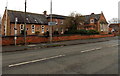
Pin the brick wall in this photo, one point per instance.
(38, 39)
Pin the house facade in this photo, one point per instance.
(114, 28)
(94, 22)
(59, 20)
(37, 24)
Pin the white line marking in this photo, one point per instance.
(91, 50)
(113, 45)
(33, 61)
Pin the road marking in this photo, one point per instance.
(33, 61)
(43, 59)
(31, 45)
(113, 45)
(98, 48)
(91, 50)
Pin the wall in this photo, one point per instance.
(38, 39)
(29, 29)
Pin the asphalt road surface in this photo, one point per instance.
(91, 58)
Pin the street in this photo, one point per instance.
(90, 58)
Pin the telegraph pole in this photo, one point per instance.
(51, 21)
(25, 24)
(6, 19)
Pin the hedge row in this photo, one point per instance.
(82, 32)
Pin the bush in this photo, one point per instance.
(71, 32)
(46, 34)
(56, 33)
(92, 32)
(82, 32)
(22, 32)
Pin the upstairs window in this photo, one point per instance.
(91, 20)
(56, 21)
(61, 21)
(22, 27)
(42, 29)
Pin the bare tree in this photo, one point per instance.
(73, 21)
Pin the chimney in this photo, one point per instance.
(45, 12)
(92, 13)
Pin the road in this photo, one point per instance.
(91, 58)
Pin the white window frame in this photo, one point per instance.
(92, 21)
(56, 22)
(56, 29)
(101, 28)
(62, 21)
(42, 28)
(20, 27)
(33, 28)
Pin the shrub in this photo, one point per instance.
(92, 32)
(82, 32)
(22, 32)
(46, 34)
(71, 32)
(56, 33)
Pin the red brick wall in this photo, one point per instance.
(37, 39)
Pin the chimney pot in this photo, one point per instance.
(45, 12)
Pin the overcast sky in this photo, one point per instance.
(65, 7)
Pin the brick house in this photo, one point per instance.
(114, 28)
(35, 23)
(38, 23)
(95, 22)
(59, 20)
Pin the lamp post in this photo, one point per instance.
(15, 29)
(51, 22)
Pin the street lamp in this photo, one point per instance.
(16, 19)
(51, 22)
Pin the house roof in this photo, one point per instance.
(114, 25)
(31, 18)
(57, 16)
(88, 17)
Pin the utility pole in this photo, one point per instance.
(25, 25)
(51, 21)
(6, 19)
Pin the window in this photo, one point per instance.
(47, 29)
(56, 21)
(33, 28)
(56, 29)
(101, 27)
(21, 28)
(26, 28)
(91, 20)
(61, 21)
(42, 29)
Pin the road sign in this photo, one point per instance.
(51, 23)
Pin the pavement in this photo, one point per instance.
(13, 48)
